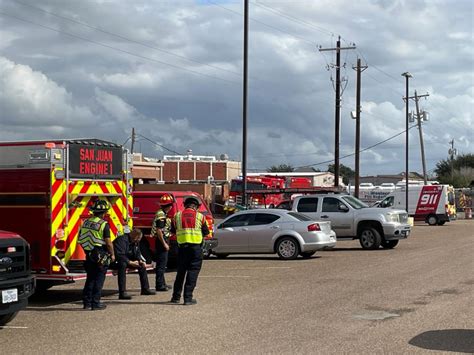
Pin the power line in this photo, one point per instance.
(128, 39)
(119, 50)
(159, 145)
(261, 22)
(362, 150)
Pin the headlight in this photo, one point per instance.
(392, 217)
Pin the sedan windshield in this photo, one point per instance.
(299, 216)
(354, 202)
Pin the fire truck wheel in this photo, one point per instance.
(432, 220)
(389, 244)
(222, 256)
(4, 319)
(441, 223)
(308, 254)
(370, 238)
(288, 248)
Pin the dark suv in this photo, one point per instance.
(16, 281)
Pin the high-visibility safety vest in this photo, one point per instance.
(91, 234)
(161, 215)
(188, 225)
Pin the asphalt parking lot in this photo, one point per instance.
(416, 298)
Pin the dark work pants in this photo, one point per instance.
(122, 277)
(189, 265)
(161, 262)
(94, 282)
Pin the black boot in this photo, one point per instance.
(124, 296)
(147, 292)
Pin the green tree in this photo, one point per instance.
(345, 172)
(282, 168)
(458, 172)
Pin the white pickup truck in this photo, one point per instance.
(353, 219)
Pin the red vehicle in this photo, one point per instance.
(146, 203)
(45, 190)
(265, 183)
(256, 200)
(16, 282)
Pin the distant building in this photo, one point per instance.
(146, 170)
(394, 179)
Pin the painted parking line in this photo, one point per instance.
(12, 327)
(226, 276)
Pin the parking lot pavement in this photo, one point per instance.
(412, 299)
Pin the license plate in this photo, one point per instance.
(9, 296)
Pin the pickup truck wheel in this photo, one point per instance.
(288, 248)
(308, 254)
(222, 256)
(370, 238)
(389, 244)
(432, 220)
(4, 319)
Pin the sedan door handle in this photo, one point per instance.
(275, 227)
(325, 216)
(244, 229)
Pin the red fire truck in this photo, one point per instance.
(45, 190)
(255, 200)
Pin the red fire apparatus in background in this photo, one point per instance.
(264, 183)
(45, 189)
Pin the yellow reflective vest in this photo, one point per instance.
(91, 234)
(161, 216)
(188, 224)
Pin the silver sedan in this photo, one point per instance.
(286, 233)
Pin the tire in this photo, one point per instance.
(389, 244)
(308, 254)
(369, 238)
(222, 256)
(288, 248)
(432, 220)
(441, 223)
(4, 319)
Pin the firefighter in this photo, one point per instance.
(127, 252)
(161, 231)
(94, 237)
(191, 228)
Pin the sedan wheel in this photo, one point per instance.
(370, 238)
(288, 248)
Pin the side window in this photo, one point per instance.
(331, 204)
(309, 204)
(388, 202)
(237, 221)
(264, 218)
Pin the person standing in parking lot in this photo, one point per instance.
(94, 237)
(161, 231)
(191, 228)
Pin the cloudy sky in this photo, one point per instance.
(173, 70)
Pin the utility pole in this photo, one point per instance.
(420, 131)
(359, 69)
(407, 76)
(133, 140)
(338, 50)
(244, 104)
(419, 117)
(452, 152)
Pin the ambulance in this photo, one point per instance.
(46, 188)
(433, 204)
